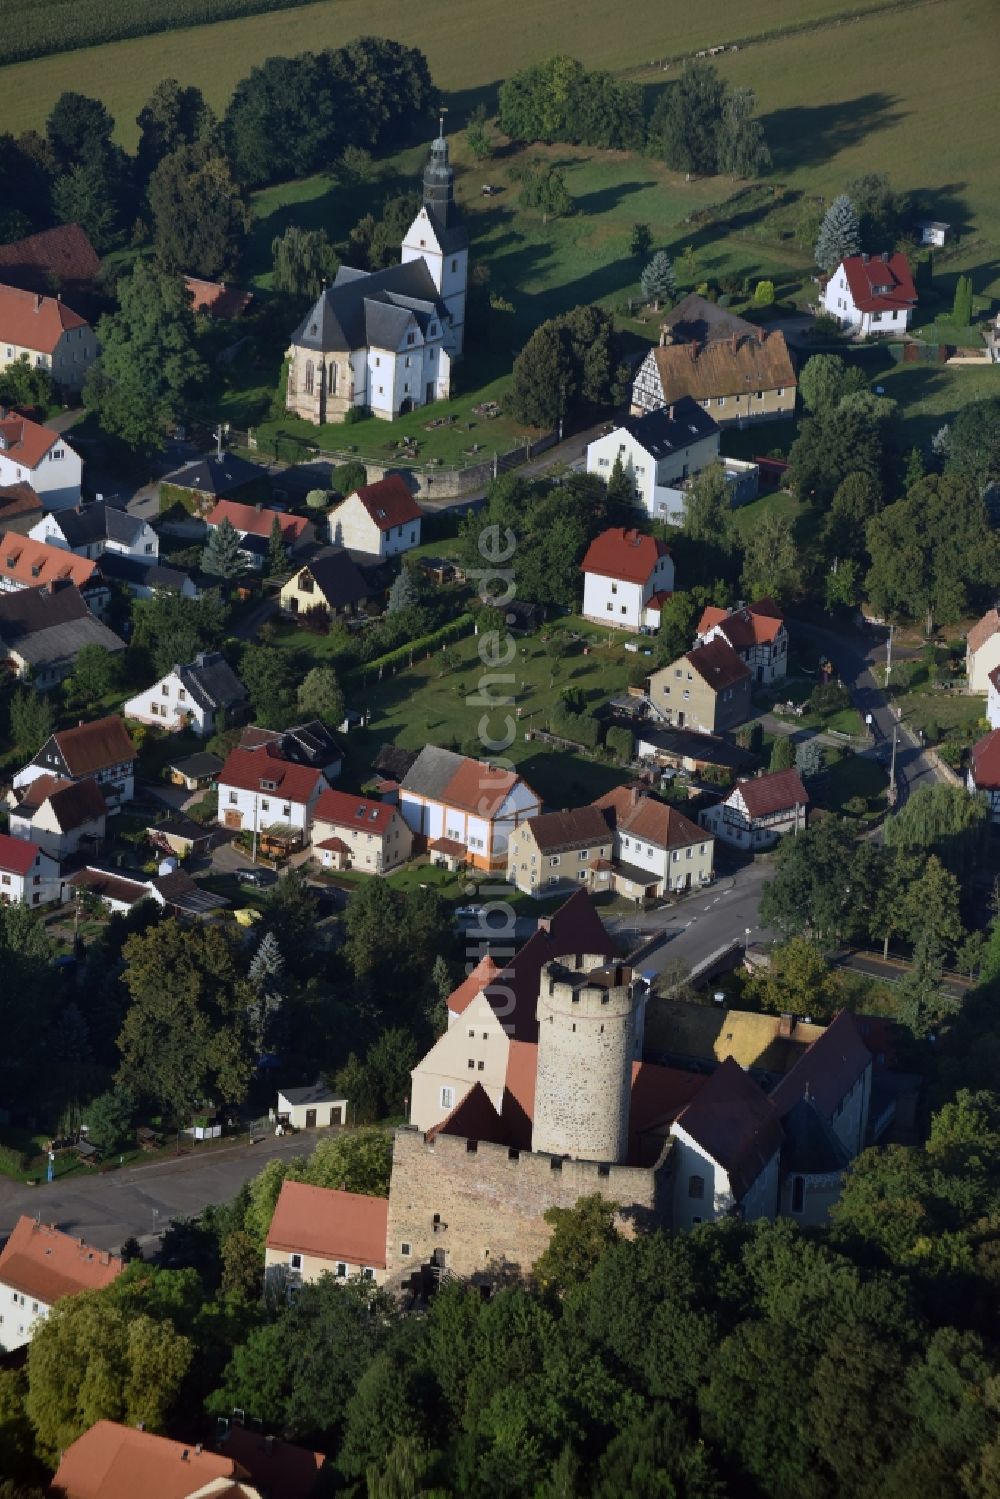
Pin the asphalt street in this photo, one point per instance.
(142, 1199)
(703, 921)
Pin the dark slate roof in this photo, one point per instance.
(198, 765)
(370, 311)
(153, 575)
(317, 1092)
(393, 762)
(49, 625)
(100, 522)
(662, 432)
(450, 237)
(827, 1072)
(697, 320)
(811, 1148)
(212, 682)
(219, 476)
(735, 1123)
(432, 772)
(337, 577)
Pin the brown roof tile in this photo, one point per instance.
(479, 787)
(33, 321)
(771, 793)
(553, 831)
(40, 1261)
(575, 928)
(735, 1123)
(481, 976)
(331, 1225)
(985, 756)
(718, 664)
(341, 810)
(984, 629)
(17, 500)
(656, 822)
(119, 1462)
(63, 254)
(389, 502)
(281, 1470)
(727, 367)
(26, 442)
(95, 746)
(626, 554)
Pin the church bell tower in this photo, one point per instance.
(439, 237)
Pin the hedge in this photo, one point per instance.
(12, 1159)
(38, 28)
(582, 728)
(403, 654)
(620, 742)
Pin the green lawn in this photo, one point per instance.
(930, 395)
(853, 776)
(948, 711)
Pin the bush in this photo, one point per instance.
(638, 671)
(932, 732)
(764, 294)
(356, 414)
(829, 697)
(348, 477)
(581, 728)
(317, 499)
(621, 744)
(13, 1160)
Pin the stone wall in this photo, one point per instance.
(478, 1208)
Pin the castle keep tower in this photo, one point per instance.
(590, 1021)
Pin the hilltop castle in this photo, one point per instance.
(387, 339)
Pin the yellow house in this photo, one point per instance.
(317, 1231)
(330, 581)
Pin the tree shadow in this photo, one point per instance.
(805, 135)
(608, 197)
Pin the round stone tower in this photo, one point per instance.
(589, 1029)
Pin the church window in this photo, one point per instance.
(310, 377)
(333, 380)
(409, 338)
(696, 1186)
(454, 265)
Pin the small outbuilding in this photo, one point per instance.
(316, 1106)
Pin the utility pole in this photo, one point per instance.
(888, 655)
(892, 766)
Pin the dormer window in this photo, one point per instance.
(410, 337)
(268, 785)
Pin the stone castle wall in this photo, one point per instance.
(480, 1211)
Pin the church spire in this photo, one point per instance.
(439, 181)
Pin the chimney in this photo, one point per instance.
(634, 794)
(670, 413)
(666, 337)
(885, 257)
(544, 924)
(38, 301)
(786, 1025)
(198, 1450)
(865, 259)
(184, 1455)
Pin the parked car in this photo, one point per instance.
(258, 878)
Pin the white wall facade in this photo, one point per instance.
(145, 549)
(614, 602)
(168, 705)
(839, 303)
(675, 868)
(263, 809)
(44, 830)
(56, 478)
(351, 526)
(415, 374)
(39, 887)
(485, 840)
(979, 664)
(731, 821)
(646, 472)
(19, 1315)
(68, 363)
(474, 1049)
(372, 853)
(715, 1198)
(450, 274)
(993, 706)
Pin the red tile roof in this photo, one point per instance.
(40, 1261)
(36, 562)
(25, 441)
(257, 520)
(389, 502)
(776, 792)
(246, 770)
(104, 884)
(658, 1095)
(986, 762)
(479, 788)
(626, 554)
(575, 928)
(73, 802)
(216, 298)
(281, 1470)
(655, 822)
(735, 1124)
(718, 664)
(342, 810)
(481, 976)
(63, 254)
(331, 1225)
(17, 855)
(880, 283)
(91, 747)
(827, 1070)
(18, 500)
(32, 321)
(757, 624)
(120, 1462)
(983, 630)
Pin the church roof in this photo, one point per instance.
(361, 311)
(450, 236)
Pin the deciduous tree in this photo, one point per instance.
(303, 259)
(771, 560)
(321, 696)
(200, 216)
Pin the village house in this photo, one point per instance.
(59, 259)
(707, 689)
(28, 875)
(254, 525)
(36, 455)
(756, 633)
(740, 379)
(379, 520)
(47, 334)
(309, 744)
(758, 812)
(194, 772)
(205, 696)
(110, 1460)
(59, 816)
(171, 888)
(658, 453)
(20, 508)
(218, 476)
(25, 563)
(315, 1106)
(627, 578)
(471, 802)
(871, 294)
(354, 832)
(99, 530)
(38, 1267)
(656, 848)
(145, 580)
(43, 630)
(983, 773)
(330, 580)
(982, 651)
(216, 299)
(263, 794)
(386, 339)
(993, 698)
(319, 1231)
(555, 847)
(100, 751)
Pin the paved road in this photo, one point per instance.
(105, 1210)
(704, 921)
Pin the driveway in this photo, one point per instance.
(142, 1199)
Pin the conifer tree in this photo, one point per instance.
(658, 281)
(403, 593)
(276, 553)
(839, 234)
(961, 314)
(222, 556)
(266, 975)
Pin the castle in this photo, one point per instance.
(386, 340)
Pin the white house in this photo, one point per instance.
(993, 698)
(984, 770)
(35, 455)
(469, 802)
(982, 651)
(38, 1267)
(758, 812)
(727, 1151)
(756, 633)
(354, 832)
(871, 294)
(627, 577)
(204, 696)
(47, 333)
(658, 452)
(315, 1106)
(100, 751)
(28, 875)
(656, 848)
(380, 520)
(261, 793)
(386, 339)
(59, 816)
(97, 530)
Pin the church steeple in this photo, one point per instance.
(439, 182)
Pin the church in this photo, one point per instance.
(387, 339)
